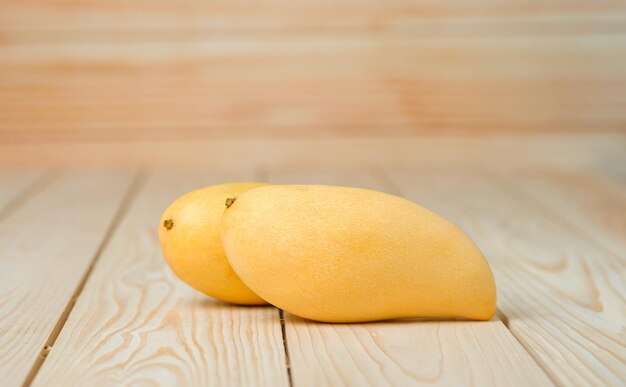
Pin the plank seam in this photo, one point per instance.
(383, 177)
(32, 189)
(515, 188)
(262, 174)
(131, 192)
(505, 320)
(283, 331)
(323, 32)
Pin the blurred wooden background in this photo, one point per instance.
(137, 70)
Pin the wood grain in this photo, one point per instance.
(135, 323)
(280, 17)
(561, 293)
(408, 353)
(127, 71)
(309, 88)
(548, 220)
(403, 352)
(46, 248)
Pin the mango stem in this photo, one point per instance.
(230, 201)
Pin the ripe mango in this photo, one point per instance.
(339, 254)
(189, 232)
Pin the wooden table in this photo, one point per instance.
(87, 299)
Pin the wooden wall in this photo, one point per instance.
(103, 70)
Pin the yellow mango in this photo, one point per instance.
(339, 254)
(189, 232)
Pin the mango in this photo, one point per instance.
(339, 254)
(189, 232)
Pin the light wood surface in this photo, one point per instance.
(585, 200)
(136, 323)
(409, 353)
(46, 248)
(602, 154)
(14, 184)
(561, 294)
(173, 70)
(546, 210)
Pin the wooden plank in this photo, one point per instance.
(561, 293)
(15, 183)
(402, 27)
(46, 248)
(569, 152)
(111, 70)
(590, 204)
(287, 86)
(408, 353)
(271, 17)
(135, 323)
(405, 352)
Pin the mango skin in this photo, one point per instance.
(339, 254)
(192, 246)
